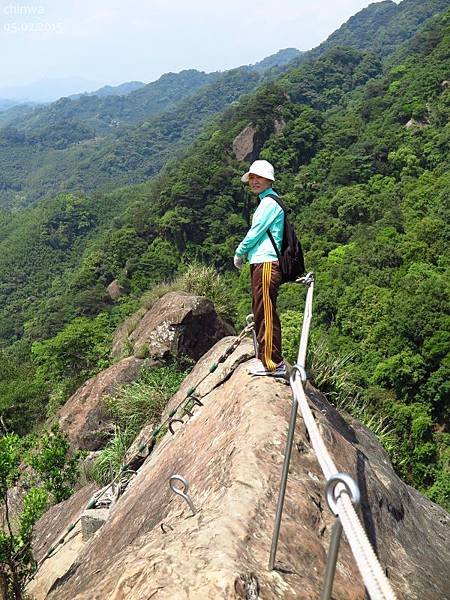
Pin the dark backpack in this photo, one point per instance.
(291, 261)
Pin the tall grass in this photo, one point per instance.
(143, 401)
(109, 463)
(333, 374)
(135, 405)
(201, 280)
(204, 280)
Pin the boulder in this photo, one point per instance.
(414, 124)
(231, 452)
(91, 521)
(121, 346)
(84, 417)
(115, 290)
(178, 324)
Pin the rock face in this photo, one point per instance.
(178, 324)
(247, 144)
(231, 452)
(83, 417)
(48, 530)
(279, 125)
(414, 124)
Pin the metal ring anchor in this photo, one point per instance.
(171, 422)
(196, 401)
(306, 279)
(183, 492)
(301, 371)
(351, 489)
(164, 525)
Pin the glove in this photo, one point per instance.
(238, 261)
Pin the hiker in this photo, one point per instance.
(264, 268)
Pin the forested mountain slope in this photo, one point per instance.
(383, 26)
(362, 161)
(113, 90)
(26, 273)
(101, 142)
(134, 153)
(100, 112)
(80, 144)
(135, 156)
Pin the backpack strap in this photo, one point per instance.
(278, 200)
(273, 244)
(281, 204)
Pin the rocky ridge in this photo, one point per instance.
(231, 452)
(177, 325)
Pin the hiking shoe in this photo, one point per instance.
(261, 371)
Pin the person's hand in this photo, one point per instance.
(238, 261)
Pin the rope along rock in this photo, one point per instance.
(188, 400)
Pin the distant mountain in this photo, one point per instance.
(16, 112)
(6, 104)
(282, 57)
(47, 90)
(100, 142)
(109, 90)
(97, 143)
(103, 113)
(109, 107)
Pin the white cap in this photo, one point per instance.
(263, 168)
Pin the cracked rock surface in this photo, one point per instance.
(231, 452)
(178, 324)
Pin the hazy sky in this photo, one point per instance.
(112, 41)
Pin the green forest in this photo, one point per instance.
(362, 162)
(99, 143)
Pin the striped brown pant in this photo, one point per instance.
(266, 280)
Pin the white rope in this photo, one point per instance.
(372, 573)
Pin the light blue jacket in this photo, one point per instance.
(257, 245)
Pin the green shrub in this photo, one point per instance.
(439, 492)
(204, 280)
(111, 459)
(79, 350)
(135, 405)
(56, 468)
(143, 401)
(291, 325)
(332, 373)
(51, 477)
